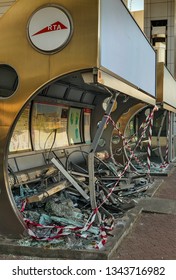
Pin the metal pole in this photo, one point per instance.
(91, 164)
(158, 137)
(69, 178)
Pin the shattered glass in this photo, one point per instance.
(66, 220)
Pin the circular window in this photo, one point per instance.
(102, 142)
(106, 103)
(98, 124)
(115, 139)
(8, 80)
(147, 112)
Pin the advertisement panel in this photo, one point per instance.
(125, 52)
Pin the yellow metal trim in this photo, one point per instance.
(166, 87)
(124, 119)
(113, 82)
(169, 108)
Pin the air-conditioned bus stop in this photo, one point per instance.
(69, 71)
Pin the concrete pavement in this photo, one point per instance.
(153, 235)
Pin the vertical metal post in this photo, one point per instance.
(103, 122)
(91, 165)
(158, 136)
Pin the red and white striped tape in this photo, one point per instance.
(144, 125)
(62, 231)
(150, 142)
(166, 158)
(65, 230)
(125, 142)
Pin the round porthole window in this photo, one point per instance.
(8, 80)
(147, 112)
(98, 124)
(115, 139)
(106, 102)
(102, 142)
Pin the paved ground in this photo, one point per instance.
(153, 235)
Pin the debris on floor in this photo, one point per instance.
(57, 214)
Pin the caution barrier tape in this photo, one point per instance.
(62, 231)
(24, 202)
(150, 141)
(166, 158)
(125, 141)
(80, 231)
(93, 215)
(144, 125)
(103, 241)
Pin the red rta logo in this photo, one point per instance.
(50, 29)
(53, 27)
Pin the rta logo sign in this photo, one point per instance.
(50, 29)
(53, 27)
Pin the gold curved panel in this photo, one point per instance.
(35, 70)
(124, 119)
